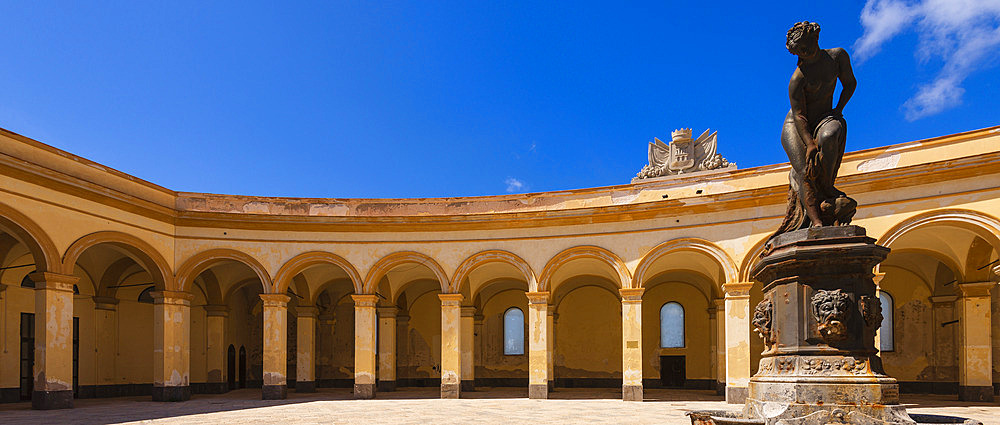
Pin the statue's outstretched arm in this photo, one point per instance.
(847, 80)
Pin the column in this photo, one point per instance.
(975, 357)
(451, 340)
(275, 346)
(468, 349)
(538, 345)
(305, 349)
(364, 345)
(387, 348)
(402, 345)
(215, 351)
(737, 341)
(171, 345)
(720, 345)
(550, 343)
(53, 388)
(105, 340)
(631, 343)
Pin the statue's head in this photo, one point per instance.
(803, 39)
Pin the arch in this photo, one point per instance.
(204, 260)
(236, 287)
(984, 225)
(750, 259)
(26, 231)
(213, 292)
(301, 262)
(493, 256)
(585, 252)
(141, 251)
(390, 261)
(702, 246)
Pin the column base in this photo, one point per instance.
(305, 386)
(274, 392)
(975, 393)
(538, 391)
(736, 395)
(49, 400)
(450, 390)
(170, 394)
(631, 392)
(364, 391)
(387, 385)
(720, 388)
(468, 385)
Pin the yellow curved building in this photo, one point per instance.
(116, 286)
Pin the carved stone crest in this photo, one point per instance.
(831, 309)
(871, 310)
(762, 321)
(684, 154)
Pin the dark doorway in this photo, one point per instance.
(27, 355)
(243, 367)
(231, 367)
(76, 357)
(672, 371)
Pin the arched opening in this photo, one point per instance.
(937, 261)
(335, 336)
(244, 368)
(113, 314)
(231, 367)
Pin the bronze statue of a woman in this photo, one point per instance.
(815, 132)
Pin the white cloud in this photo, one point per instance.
(513, 185)
(963, 34)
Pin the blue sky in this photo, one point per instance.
(428, 99)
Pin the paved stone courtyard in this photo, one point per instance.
(420, 406)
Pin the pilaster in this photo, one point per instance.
(975, 359)
(305, 349)
(737, 323)
(451, 340)
(53, 387)
(215, 350)
(538, 345)
(387, 348)
(632, 343)
(720, 345)
(171, 345)
(275, 346)
(468, 349)
(364, 345)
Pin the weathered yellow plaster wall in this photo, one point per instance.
(423, 350)
(493, 362)
(588, 334)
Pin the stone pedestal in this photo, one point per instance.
(818, 320)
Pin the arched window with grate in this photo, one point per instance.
(513, 332)
(886, 342)
(672, 325)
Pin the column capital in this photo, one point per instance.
(631, 295)
(737, 289)
(877, 278)
(537, 297)
(365, 300)
(468, 311)
(216, 310)
(275, 300)
(171, 297)
(53, 281)
(976, 289)
(719, 303)
(451, 299)
(943, 299)
(105, 303)
(387, 312)
(306, 311)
